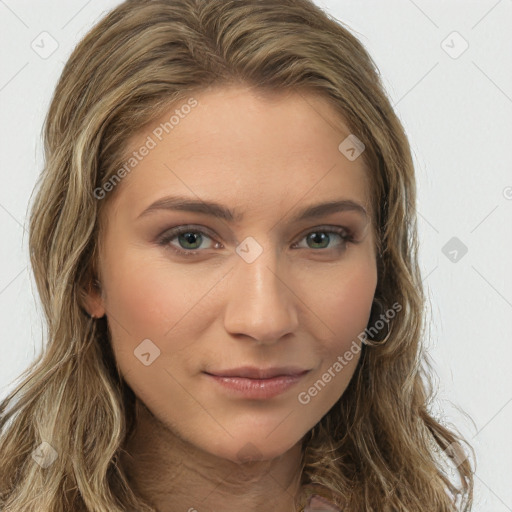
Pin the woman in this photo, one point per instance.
(254, 370)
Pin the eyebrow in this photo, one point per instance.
(221, 212)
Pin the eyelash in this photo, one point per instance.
(165, 239)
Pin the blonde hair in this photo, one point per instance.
(379, 447)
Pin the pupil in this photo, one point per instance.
(189, 237)
(317, 237)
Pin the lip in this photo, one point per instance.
(257, 384)
(252, 372)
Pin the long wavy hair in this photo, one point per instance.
(379, 448)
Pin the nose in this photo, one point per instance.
(261, 302)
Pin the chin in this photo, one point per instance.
(249, 447)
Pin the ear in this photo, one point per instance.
(92, 299)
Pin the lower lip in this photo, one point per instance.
(258, 388)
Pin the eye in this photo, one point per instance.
(191, 237)
(322, 236)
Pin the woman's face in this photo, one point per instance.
(261, 288)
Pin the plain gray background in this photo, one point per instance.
(447, 68)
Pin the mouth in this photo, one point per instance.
(251, 372)
(257, 383)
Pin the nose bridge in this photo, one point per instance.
(261, 304)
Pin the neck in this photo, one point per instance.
(175, 476)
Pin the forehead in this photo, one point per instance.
(248, 148)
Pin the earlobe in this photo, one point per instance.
(92, 301)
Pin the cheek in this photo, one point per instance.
(350, 304)
(344, 308)
(341, 301)
(150, 297)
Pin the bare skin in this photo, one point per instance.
(302, 301)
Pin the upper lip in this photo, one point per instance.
(251, 372)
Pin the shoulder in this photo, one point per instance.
(318, 503)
